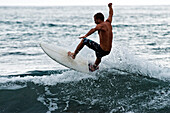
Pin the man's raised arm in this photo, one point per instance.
(110, 13)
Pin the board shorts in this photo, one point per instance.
(96, 47)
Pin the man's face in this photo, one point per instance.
(96, 20)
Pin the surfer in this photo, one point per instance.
(104, 29)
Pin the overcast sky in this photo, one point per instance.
(80, 2)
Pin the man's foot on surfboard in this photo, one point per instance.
(92, 67)
(71, 55)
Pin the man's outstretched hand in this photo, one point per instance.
(110, 5)
(82, 37)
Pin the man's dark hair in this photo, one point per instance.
(99, 16)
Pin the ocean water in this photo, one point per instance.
(134, 78)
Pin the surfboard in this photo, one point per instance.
(60, 55)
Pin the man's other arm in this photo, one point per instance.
(98, 27)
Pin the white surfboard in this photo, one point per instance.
(60, 55)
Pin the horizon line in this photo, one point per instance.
(79, 5)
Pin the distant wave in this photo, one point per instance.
(62, 25)
(139, 24)
(151, 44)
(20, 53)
(39, 73)
(10, 22)
(165, 49)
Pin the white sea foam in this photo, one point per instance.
(49, 102)
(53, 79)
(123, 59)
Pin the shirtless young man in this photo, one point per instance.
(104, 29)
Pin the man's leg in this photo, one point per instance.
(97, 62)
(79, 47)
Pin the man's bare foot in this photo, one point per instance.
(71, 55)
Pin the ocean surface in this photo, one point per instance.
(134, 78)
